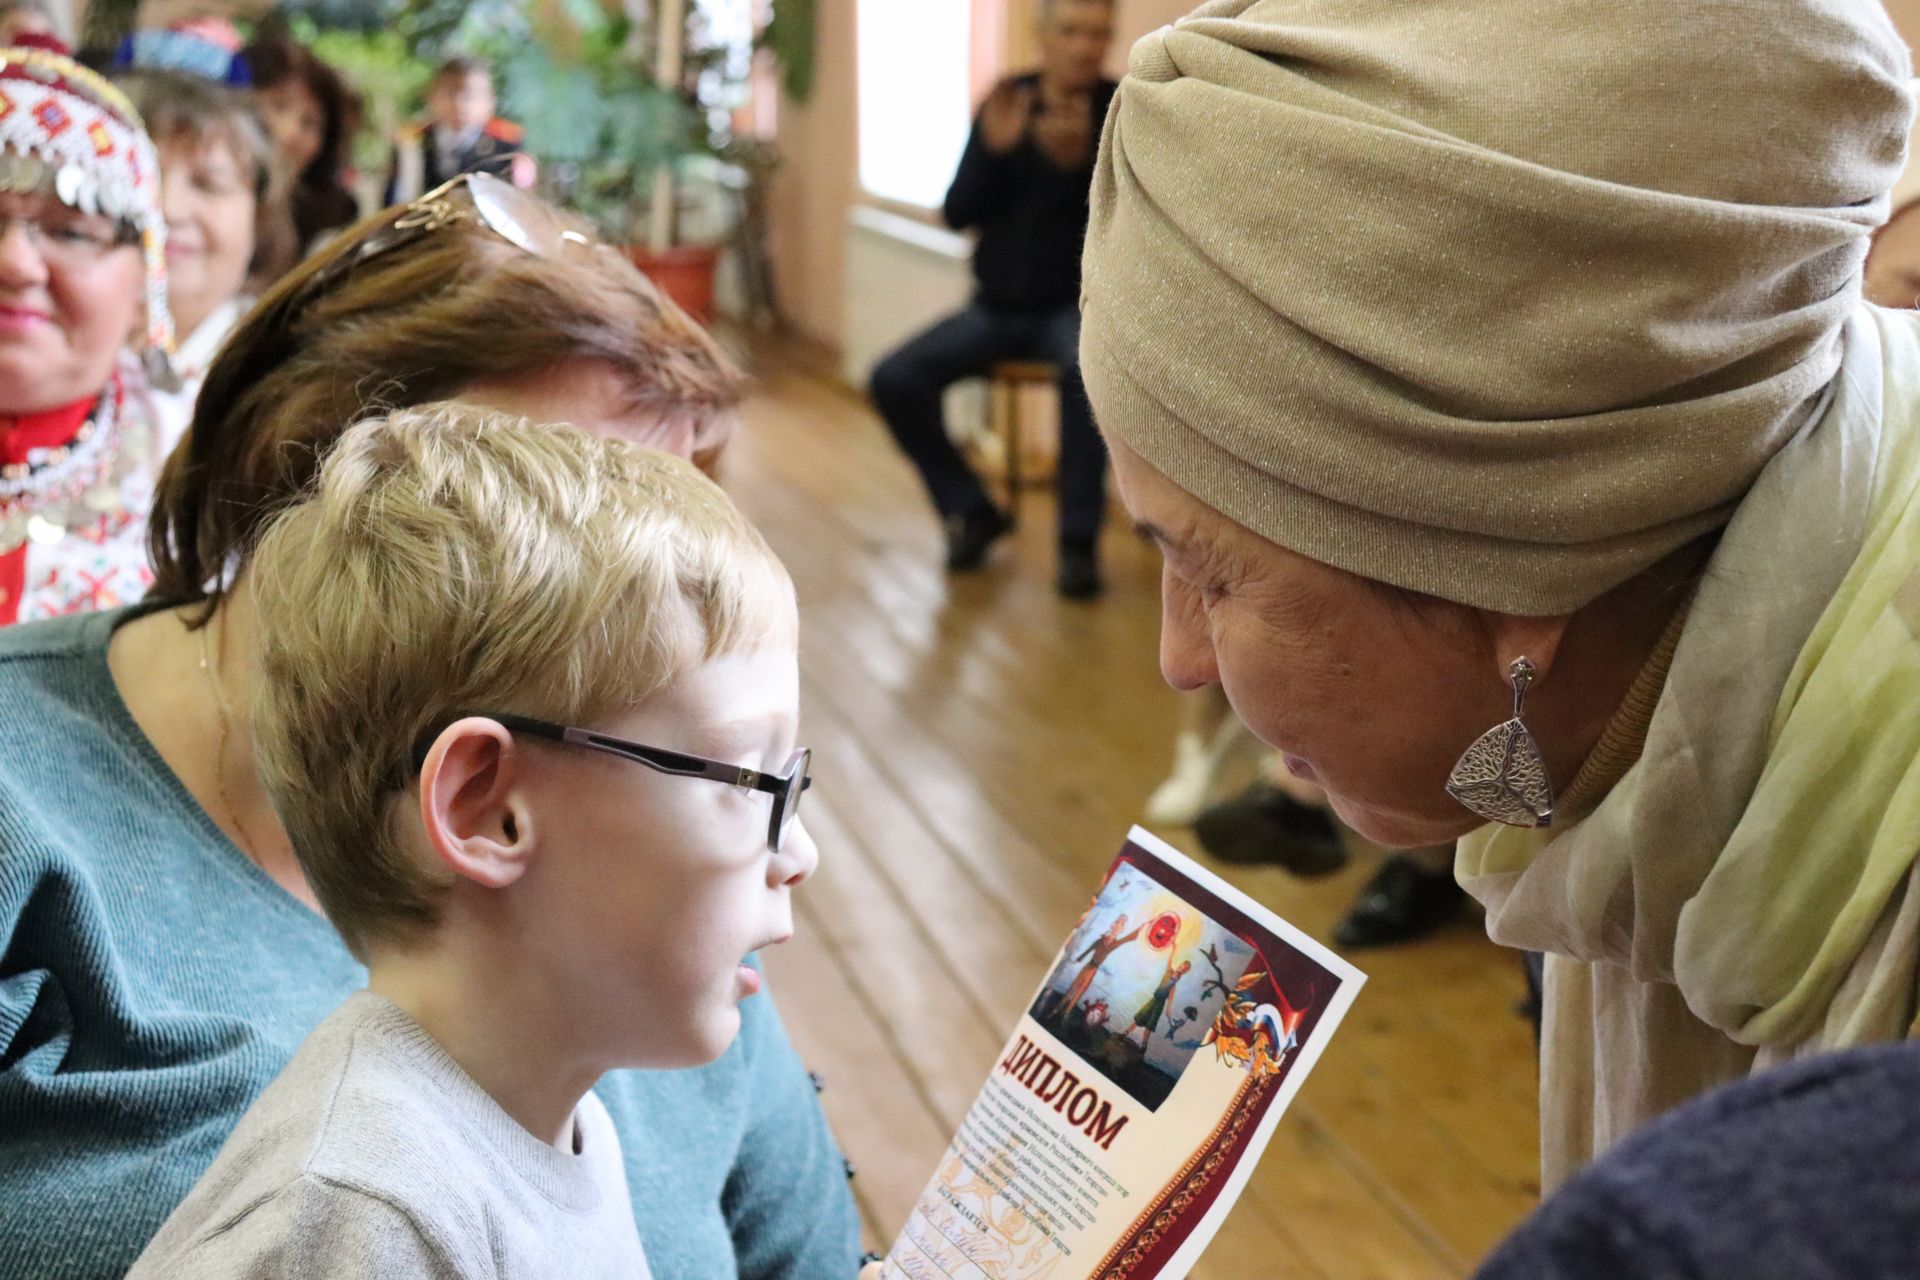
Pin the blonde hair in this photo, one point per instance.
(453, 560)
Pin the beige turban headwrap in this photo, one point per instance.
(1498, 300)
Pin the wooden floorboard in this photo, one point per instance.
(981, 748)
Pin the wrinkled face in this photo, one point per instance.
(1074, 38)
(651, 890)
(1365, 692)
(208, 197)
(462, 103)
(70, 288)
(295, 120)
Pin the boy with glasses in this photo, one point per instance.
(528, 713)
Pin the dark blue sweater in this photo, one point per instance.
(1811, 1172)
(153, 981)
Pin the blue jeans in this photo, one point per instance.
(907, 387)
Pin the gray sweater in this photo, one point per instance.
(374, 1154)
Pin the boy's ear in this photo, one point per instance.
(476, 820)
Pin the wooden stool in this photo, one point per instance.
(1006, 380)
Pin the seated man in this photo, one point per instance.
(1022, 184)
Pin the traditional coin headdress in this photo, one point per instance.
(66, 129)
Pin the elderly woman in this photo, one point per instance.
(160, 952)
(1496, 382)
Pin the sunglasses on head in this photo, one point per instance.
(522, 220)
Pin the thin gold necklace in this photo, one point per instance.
(220, 759)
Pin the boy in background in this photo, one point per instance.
(460, 135)
(528, 710)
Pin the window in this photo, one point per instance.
(916, 96)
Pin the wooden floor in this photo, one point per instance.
(981, 748)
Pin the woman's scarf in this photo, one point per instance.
(1759, 858)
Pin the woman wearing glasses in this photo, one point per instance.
(162, 955)
(82, 251)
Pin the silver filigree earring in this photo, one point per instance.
(1502, 776)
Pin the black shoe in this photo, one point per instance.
(969, 536)
(1078, 574)
(1264, 825)
(1402, 902)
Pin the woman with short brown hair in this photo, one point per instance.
(468, 314)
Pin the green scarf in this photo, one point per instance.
(1760, 857)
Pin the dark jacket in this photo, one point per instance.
(491, 151)
(1031, 216)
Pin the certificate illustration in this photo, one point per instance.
(1146, 1076)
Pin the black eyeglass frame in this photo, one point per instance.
(785, 788)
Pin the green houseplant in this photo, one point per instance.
(599, 122)
(608, 108)
(605, 129)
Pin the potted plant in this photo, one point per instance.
(604, 129)
(654, 158)
(630, 119)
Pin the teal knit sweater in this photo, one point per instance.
(153, 981)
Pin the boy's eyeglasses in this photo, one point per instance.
(785, 788)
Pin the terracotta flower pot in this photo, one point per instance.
(684, 273)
